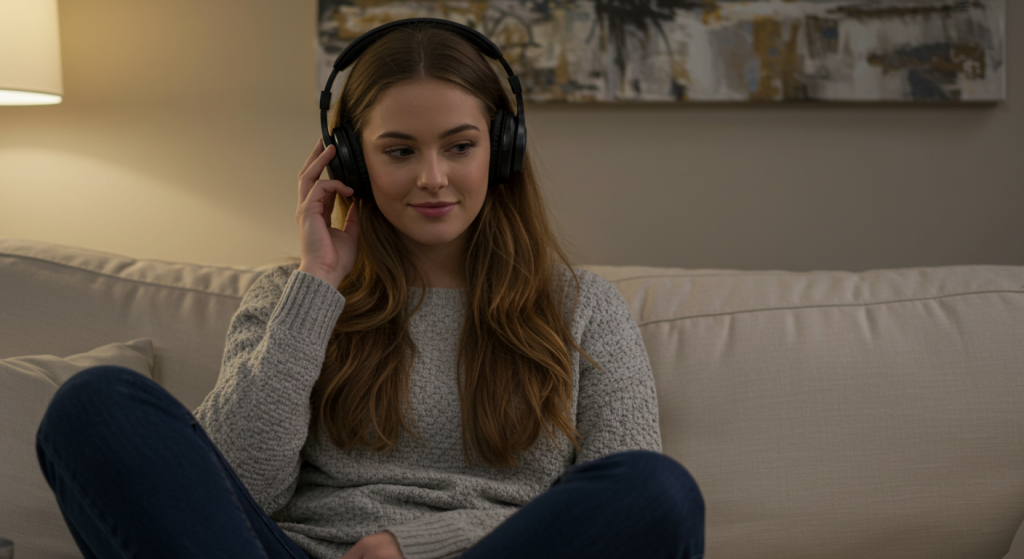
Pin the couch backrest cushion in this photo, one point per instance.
(60, 300)
(842, 415)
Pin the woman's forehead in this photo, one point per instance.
(425, 103)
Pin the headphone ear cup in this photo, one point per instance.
(499, 171)
(343, 159)
(335, 170)
(356, 176)
(508, 134)
(517, 152)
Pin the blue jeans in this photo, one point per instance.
(136, 476)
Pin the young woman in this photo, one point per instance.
(431, 380)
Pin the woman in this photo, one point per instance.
(411, 388)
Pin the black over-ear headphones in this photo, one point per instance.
(508, 132)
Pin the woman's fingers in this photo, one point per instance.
(312, 171)
(328, 187)
(327, 250)
(317, 150)
(328, 201)
(321, 195)
(335, 188)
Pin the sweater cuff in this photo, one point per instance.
(431, 538)
(309, 306)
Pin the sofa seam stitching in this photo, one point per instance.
(750, 273)
(801, 307)
(133, 280)
(111, 255)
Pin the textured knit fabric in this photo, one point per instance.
(421, 490)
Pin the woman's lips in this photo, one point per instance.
(434, 212)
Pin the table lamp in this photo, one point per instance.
(30, 70)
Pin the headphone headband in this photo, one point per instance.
(363, 42)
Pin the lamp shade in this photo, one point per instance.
(30, 70)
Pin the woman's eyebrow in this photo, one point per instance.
(445, 134)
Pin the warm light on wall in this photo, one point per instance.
(30, 69)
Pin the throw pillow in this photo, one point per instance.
(29, 515)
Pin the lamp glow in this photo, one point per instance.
(30, 65)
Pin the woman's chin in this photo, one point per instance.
(432, 238)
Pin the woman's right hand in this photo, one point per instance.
(327, 252)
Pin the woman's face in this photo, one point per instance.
(426, 141)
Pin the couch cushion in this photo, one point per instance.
(838, 414)
(61, 300)
(29, 515)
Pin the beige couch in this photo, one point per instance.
(824, 414)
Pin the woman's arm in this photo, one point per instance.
(617, 410)
(258, 413)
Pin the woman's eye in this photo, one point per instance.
(395, 152)
(402, 153)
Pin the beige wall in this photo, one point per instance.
(185, 123)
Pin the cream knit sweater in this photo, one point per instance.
(326, 499)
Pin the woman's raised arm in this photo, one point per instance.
(258, 412)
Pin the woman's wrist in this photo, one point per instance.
(326, 276)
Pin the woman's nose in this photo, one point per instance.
(432, 176)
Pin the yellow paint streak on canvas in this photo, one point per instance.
(562, 77)
(766, 32)
(779, 60)
(343, 31)
(478, 8)
(562, 74)
(712, 12)
(513, 39)
(464, 13)
(361, 24)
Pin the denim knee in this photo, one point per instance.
(664, 484)
(101, 376)
(88, 391)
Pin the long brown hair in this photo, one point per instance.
(514, 359)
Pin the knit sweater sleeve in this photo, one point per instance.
(258, 412)
(617, 410)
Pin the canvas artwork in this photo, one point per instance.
(720, 50)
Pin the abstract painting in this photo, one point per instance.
(720, 50)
